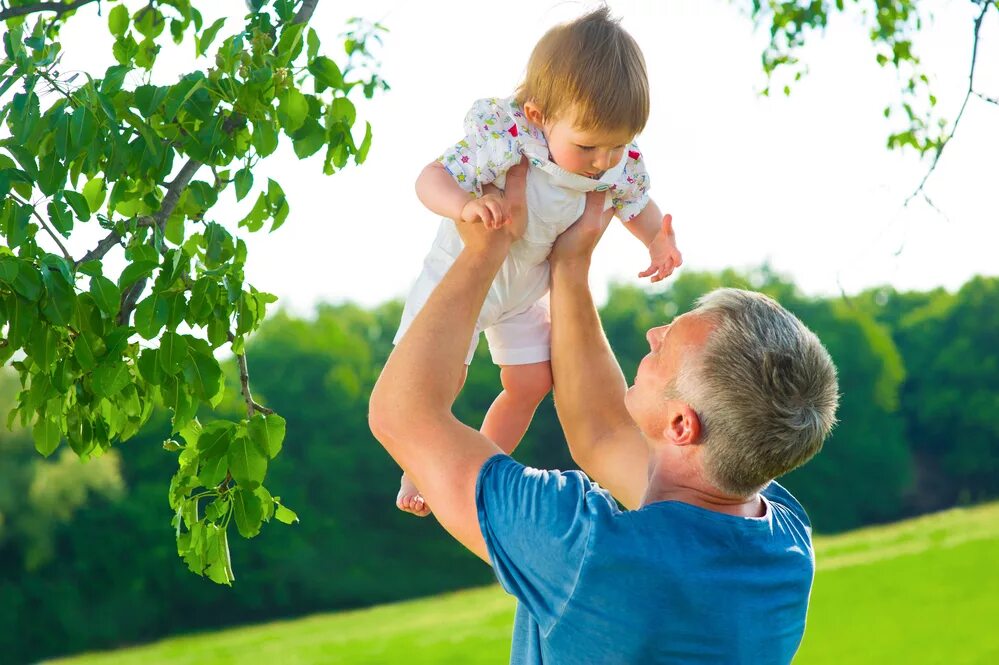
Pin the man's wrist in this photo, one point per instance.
(571, 267)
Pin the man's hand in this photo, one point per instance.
(663, 253)
(579, 240)
(491, 210)
(478, 237)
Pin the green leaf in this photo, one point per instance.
(42, 346)
(207, 37)
(52, 173)
(60, 217)
(78, 203)
(217, 556)
(254, 221)
(47, 435)
(285, 514)
(244, 181)
(149, 22)
(21, 317)
(247, 463)
(326, 72)
(265, 137)
(8, 270)
(204, 295)
(292, 110)
(248, 512)
(312, 44)
(110, 378)
(362, 150)
(94, 192)
(151, 315)
(84, 352)
(267, 432)
(173, 352)
(134, 272)
(309, 139)
(149, 366)
(106, 293)
(344, 110)
(28, 282)
(59, 303)
(215, 439)
(118, 20)
(202, 372)
(90, 268)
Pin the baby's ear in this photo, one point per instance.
(533, 113)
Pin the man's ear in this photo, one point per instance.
(533, 114)
(684, 426)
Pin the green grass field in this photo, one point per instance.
(920, 591)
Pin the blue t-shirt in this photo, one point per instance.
(668, 583)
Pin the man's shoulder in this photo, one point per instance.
(777, 494)
(502, 475)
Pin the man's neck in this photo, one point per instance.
(696, 492)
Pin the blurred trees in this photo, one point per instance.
(920, 391)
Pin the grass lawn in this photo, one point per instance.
(920, 591)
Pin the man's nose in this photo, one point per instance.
(655, 336)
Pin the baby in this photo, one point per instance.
(583, 100)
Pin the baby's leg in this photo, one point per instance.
(524, 386)
(409, 498)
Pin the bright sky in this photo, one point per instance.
(803, 182)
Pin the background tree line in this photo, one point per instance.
(88, 560)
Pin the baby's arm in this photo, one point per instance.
(438, 191)
(656, 232)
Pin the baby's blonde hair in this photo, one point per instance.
(593, 67)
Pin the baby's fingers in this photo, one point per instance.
(648, 271)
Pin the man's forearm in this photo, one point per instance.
(589, 384)
(426, 365)
(438, 191)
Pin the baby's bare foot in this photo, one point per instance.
(410, 500)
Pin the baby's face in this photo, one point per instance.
(588, 153)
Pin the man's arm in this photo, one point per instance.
(410, 406)
(589, 385)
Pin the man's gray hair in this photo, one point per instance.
(763, 387)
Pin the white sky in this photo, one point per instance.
(804, 182)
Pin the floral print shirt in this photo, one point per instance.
(497, 134)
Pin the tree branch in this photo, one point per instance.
(57, 7)
(964, 104)
(984, 98)
(244, 384)
(306, 11)
(45, 226)
(174, 190)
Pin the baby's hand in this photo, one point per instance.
(492, 210)
(663, 253)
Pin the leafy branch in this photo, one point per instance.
(57, 7)
(90, 375)
(957, 120)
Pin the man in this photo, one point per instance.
(711, 562)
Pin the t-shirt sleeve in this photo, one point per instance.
(776, 493)
(489, 149)
(631, 192)
(536, 525)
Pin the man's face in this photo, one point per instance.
(668, 346)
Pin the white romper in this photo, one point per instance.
(515, 315)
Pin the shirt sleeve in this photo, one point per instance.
(489, 149)
(536, 525)
(631, 192)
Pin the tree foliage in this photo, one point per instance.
(893, 27)
(96, 352)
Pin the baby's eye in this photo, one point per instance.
(585, 147)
